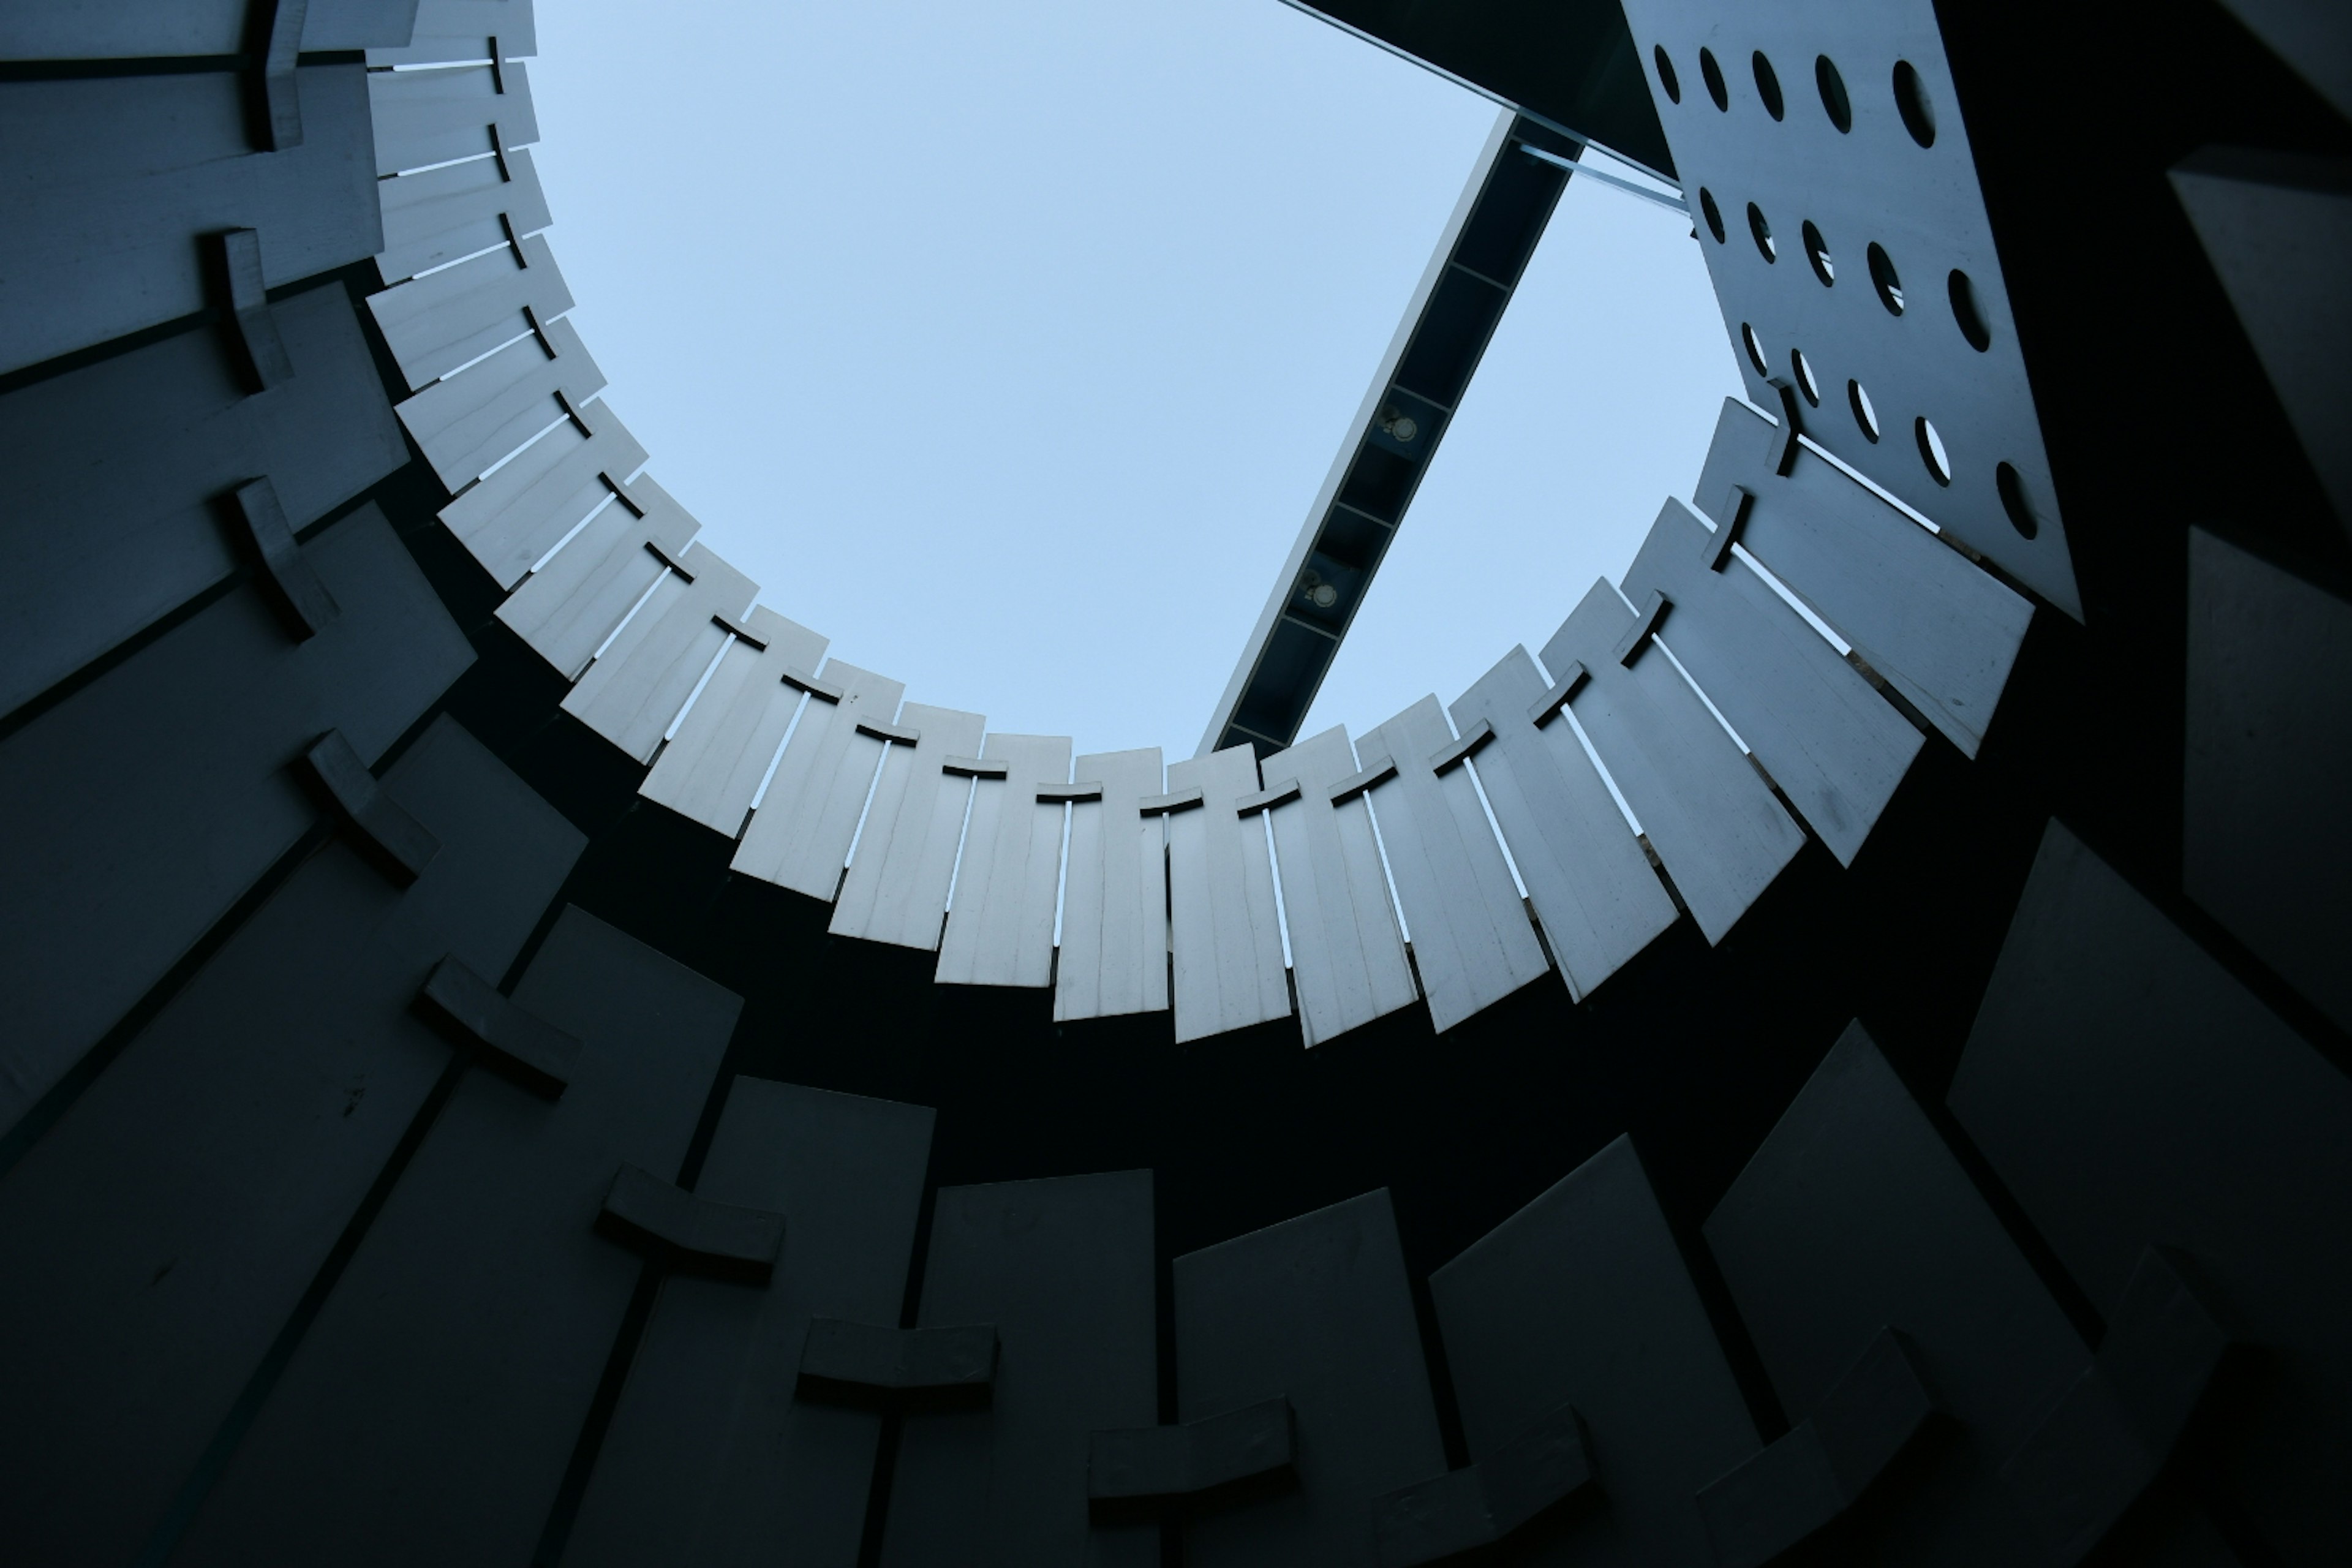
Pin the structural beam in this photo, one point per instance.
(1454, 310)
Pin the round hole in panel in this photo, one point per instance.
(1964, 311)
(1817, 251)
(1763, 233)
(1666, 78)
(1834, 102)
(1756, 355)
(1805, 382)
(1864, 415)
(1711, 213)
(1712, 74)
(1911, 102)
(2013, 501)
(1882, 276)
(1767, 86)
(1931, 451)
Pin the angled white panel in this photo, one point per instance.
(1115, 893)
(468, 422)
(1001, 927)
(1833, 745)
(713, 766)
(440, 215)
(1704, 809)
(1472, 940)
(1592, 884)
(897, 889)
(569, 606)
(1344, 944)
(639, 684)
(463, 30)
(1223, 931)
(435, 323)
(433, 117)
(1910, 302)
(513, 518)
(800, 834)
(1941, 632)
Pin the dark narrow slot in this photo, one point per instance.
(98, 353)
(565, 1511)
(1163, 1290)
(256, 1393)
(148, 65)
(130, 647)
(1739, 1352)
(886, 1447)
(51, 1107)
(1441, 1374)
(535, 940)
(697, 1148)
(2023, 1234)
(877, 1495)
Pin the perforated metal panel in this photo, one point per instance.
(1832, 129)
(1938, 630)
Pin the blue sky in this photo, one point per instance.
(1007, 345)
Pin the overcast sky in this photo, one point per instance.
(1007, 345)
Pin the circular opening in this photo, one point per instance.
(1805, 382)
(1712, 74)
(1882, 274)
(1712, 213)
(1834, 102)
(1666, 74)
(1763, 233)
(1767, 86)
(1911, 102)
(1756, 355)
(1931, 451)
(1965, 311)
(1864, 414)
(1817, 251)
(2012, 500)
